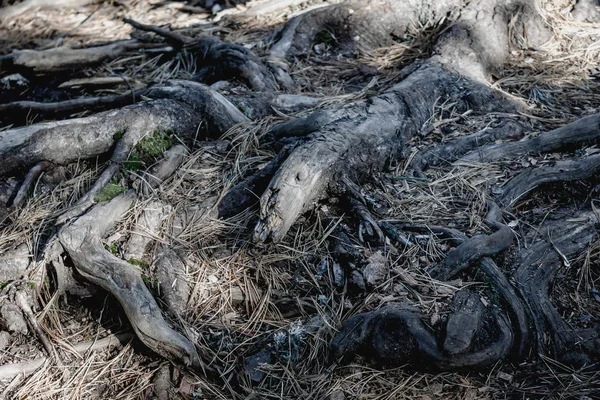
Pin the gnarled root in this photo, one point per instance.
(358, 138)
(560, 241)
(82, 240)
(396, 334)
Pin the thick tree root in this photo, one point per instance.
(82, 240)
(27, 5)
(378, 126)
(220, 60)
(531, 178)
(66, 141)
(574, 135)
(444, 153)
(15, 111)
(561, 241)
(180, 107)
(394, 335)
(471, 250)
(66, 59)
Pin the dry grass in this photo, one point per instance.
(289, 300)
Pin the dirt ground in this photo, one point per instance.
(287, 297)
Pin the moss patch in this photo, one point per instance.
(113, 248)
(108, 192)
(148, 149)
(139, 263)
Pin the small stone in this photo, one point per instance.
(14, 81)
(4, 340)
(338, 275)
(255, 362)
(357, 282)
(13, 319)
(505, 377)
(337, 395)
(237, 296)
(14, 263)
(376, 270)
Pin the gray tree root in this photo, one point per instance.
(561, 241)
(471, 250)
(66, 141)
(531, 178)
(395, 334)
(379, 126)
(9, 371)
(190, 110)
(66, 59)
(445, 153)
(27, 5)
(514, 341)
(16, 110)
(576, 134)
(82, 240)
(219, 60)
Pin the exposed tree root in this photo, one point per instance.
(471, 250)
(443, 153)
(576, 134)
(219, 60)
(9, 371)
(379, 126)
(18, 109)
(531, 178)
(66, 59)
(31, 176)
(328, 150)
(82, 240)
(560, 241)
(394, 335)
(66, 141)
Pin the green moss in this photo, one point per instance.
(324, 36)
(139, 263)
(113, 248)
(108, 192)
(151, 283)
(148, 150)
(245, 110)
(4, 284)
(118, 135)
(31, 284)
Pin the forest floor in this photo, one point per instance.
(287, 296)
